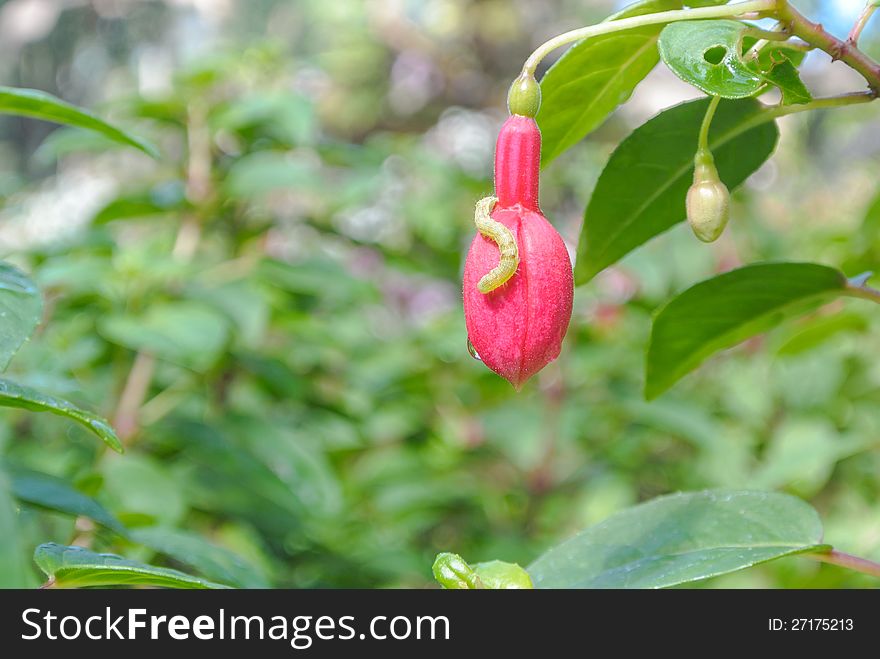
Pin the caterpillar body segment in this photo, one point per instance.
(501, 236)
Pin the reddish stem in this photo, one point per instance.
(842, 559)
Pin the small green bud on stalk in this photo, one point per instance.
(524, 97)
(708, 201)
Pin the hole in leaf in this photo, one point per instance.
(715, 54)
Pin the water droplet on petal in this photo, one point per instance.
(473, 351)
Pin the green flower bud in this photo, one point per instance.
(524, 97)
(452, 572)
(708, 202)
(501, 575)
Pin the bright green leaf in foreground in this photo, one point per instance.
(75, 567)
(16, 395)
(593, 77)
(681, 538)
(722, 311)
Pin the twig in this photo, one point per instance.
(842, 559)
(856, 31)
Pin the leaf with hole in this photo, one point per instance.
(40, 105)
(56, 494)
(707, 54)
(725, 310)
(593, 77)
(16, 395)
(76, 567)
(641, 192)
(682, 538)
(20, 310)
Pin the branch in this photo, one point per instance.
(815, 34)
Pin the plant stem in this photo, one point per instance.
(864, 292)
(849, 561)
(136, 386)
(815, 34)
(724, 11)
(703, 141)
(767, 35)
(856, 31)
(855, 98)
(198, 187)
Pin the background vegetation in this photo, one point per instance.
(270, 314)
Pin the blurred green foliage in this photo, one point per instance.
(302, 411)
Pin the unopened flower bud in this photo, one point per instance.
(708, 203)
(524, 97)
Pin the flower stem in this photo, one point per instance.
(703, 142)
(723, 11)
(849, 561)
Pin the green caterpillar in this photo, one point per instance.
(502, 237)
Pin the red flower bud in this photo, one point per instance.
(518, 328)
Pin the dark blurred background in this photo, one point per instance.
(271, 313)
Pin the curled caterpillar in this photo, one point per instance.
(502, 237)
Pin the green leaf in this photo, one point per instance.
(159, 200)
(681, 538)
(784, 75)
(214, 562)
(75, 567)
(16, 395)
(722, 311)
(707, 55)
(260, 173)
(20, 309)
(186, 333)
(55, 494)
(820, 331)
(40, 105)
(13, 560)
(641, 192)
(593, 77)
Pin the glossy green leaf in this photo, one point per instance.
(56, 494)
(593, 77)
(76, 567)
(20, 309)
(40, 105)
(16, 395)
(185, 333)
(784, 75)
(214, 562)
(641, 192)
(722, 311)
(681, 538)
(707, 55)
